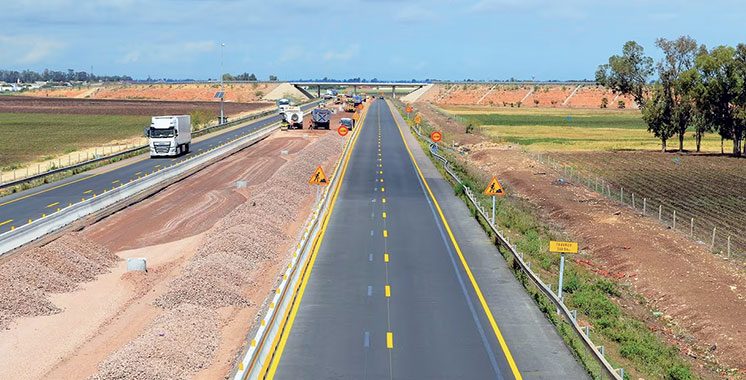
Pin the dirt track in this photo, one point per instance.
(28, 104)
(702, 297)
(214, 252)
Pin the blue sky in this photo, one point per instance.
(386, 39)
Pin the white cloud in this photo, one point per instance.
(27, 49)
(343, 55)
(131, 57)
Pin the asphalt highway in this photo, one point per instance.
(390, 294)
(19, 208)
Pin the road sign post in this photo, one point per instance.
(494, 189)
(562, 247)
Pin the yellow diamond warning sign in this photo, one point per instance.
(494, 188)
(318, 177)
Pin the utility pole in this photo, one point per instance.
(222, 84)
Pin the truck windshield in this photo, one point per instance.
(161, 133)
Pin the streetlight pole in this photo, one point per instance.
(222, 85)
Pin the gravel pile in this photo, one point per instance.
(28, 277)
(183, 340)
(178, 344)
(222, 270)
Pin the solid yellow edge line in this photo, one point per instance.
(270, 373)
(467, 269)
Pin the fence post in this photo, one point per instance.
(728, 246)
(660, 213)
(608, 188)
(621, 194)
(674, 219)
(633, 200)
(644, 205)
(712, 244)
(691, 228)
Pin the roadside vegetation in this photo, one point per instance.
(601, 303)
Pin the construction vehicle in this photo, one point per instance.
(169, 135)
(347, 123)
(320, 118)
(349, 105)
(293, 118)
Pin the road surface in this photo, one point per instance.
(17, 209)
(389, 295)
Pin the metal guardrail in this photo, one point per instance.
(569, 316)
(260, 351)
(198, 133)
(36, 229)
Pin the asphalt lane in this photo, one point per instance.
(17, 209)
(387, 296)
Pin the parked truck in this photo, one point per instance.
(169, 135)
(320, 118)
(293, 118)
(349, 105)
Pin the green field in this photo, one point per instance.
(26, 137)
(559, 129)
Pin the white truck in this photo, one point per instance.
(169, 135)
(293, 118)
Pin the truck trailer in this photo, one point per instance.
(320, 118)
(293, 118)
(169, 135)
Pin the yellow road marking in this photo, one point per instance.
(385, 233)
(382, 189)
(389, 340)
(467, 269)
(381, 172)
(53, 204)
(385, 257)
(383, 200)
(283, 337)
(87, 191)
(138, 173)
(384, 215)
(381, 179)
(6, 222)
(387, 291)
(115, 181)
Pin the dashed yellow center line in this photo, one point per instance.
(382, 189)
(138, 173)
(381, 180)
(385, 233)
(6, 222)
(387, 290)
(385, 257)
(383, 215)
(383, 200)
(53, 204)
(389, 340)
(87, 191)
(380, 172)
(115, 181)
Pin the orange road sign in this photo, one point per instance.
(355, 116)
(563, 246)
(436, 136)
(418, 119)
(318, 177)
(342, 130)
(360, 106)
(409, 109)
(494, 188)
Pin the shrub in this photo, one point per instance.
(536, 102)
(604, 102)
(620, 104)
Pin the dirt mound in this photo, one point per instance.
(178, 344)
(234, 92)
(28, 277)
(222, 270)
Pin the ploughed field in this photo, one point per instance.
(34, 129)
(708, 188)
(612, 149)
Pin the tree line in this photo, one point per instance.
(29, 76)
(245, 77)
(691, 86)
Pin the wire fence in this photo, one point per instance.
(719, 238)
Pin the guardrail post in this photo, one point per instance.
(587, 331)
(561, 275)
(574, 315)
(601, 350)
(621, 372)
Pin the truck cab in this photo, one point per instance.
(169, 135)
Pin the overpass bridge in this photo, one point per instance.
(305, 86)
